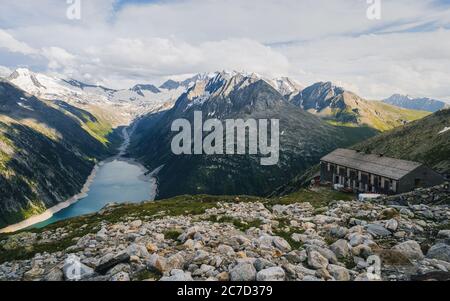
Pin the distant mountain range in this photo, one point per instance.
(127, 103)
(421, 104)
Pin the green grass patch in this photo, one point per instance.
(172, 234)
(318, 199)
(239, 224)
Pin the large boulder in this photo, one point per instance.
(109, 261)
(410, 249)
(177, 276)
(378, 230)
(244, 271)
(271, 274)
(157, 263)
(339, 273)
(316, 260)
(281, 244)
(341, 248)
(439, 251)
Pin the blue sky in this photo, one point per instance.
(119, 43)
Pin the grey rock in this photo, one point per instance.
(109, 261)
(341, 248)
(177, 276)
(392, 225)
(243, 272)
(74, 271)
(271, 274)
(338, 232)
(439, 251)
(261, 264)
(281, 244)
(411, 249)
(121, 277)
(339, 273)
(54, 275)
(378, 230)
(444, 234)
(316, 260)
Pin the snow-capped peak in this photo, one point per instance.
(285, 85)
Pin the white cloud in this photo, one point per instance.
(4, 71)
(8, 42)
(406, 51)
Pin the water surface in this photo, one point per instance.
(119, 181)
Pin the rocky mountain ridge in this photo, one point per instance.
(422, 104)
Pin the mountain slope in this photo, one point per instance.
(304, 139)
(421, 104)
(47, 151)
(426, 140)
(343, 107)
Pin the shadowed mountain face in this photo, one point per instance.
(304, 138)
(426, 141)
(47, 150)
(422, 104)
(337, 105)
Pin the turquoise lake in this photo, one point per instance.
(117, 181)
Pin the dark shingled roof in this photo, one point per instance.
(379, 165)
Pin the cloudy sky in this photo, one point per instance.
(122, 42)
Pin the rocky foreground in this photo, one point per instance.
(393, 239)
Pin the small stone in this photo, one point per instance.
(281, 244)
(226, 250)
(157, 263)
(444, 234)
(271, 274)
(362, 251)
(243, 272)
(410, 249)
(241, 254)
(316, 260)
(377, 230)
(177, 276)
(388, 213)
(406, 212)
(224, 276)
(134, 259)
(54, 275)
(341, 248)
(201, 257)
(261, 264)
(101, 235)
(339, 273)
(136, 224)
(439, 251)
(151, 248)
(121, 277)
(109, 261)
(77, 271)
(392, 225)
(338, 232)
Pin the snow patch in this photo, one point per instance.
(446, 129)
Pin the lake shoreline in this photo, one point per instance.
(50, 212)
(55, 209)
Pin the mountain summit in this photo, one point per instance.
(337, 105)
(422, 104)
